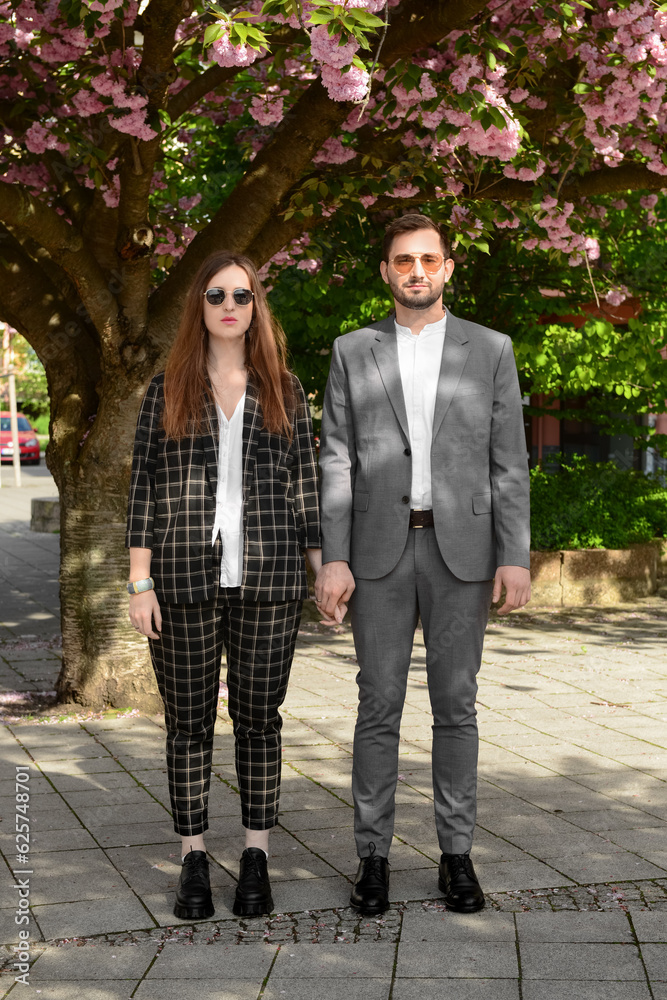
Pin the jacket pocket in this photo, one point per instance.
(481, 503)
(360, 501)
(470, 389)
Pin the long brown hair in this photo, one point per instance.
(186, 381)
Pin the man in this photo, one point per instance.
(425, 501)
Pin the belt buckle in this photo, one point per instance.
(417, 510)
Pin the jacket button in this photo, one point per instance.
(405, 499)
(407, 452)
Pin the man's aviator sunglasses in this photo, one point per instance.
(404, 262)
(216, 296)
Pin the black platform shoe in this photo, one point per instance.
(370, 894)
(193, 895)
(253, 892)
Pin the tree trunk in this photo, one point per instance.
(104, 661)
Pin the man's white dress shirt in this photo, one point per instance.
(229, 496)
(419, 359)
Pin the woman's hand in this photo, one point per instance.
(144, 611)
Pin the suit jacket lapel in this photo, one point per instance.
(454, 356)
(210, 439)
(252, 425)
(385, 352)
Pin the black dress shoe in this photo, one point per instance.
(193, 895)
(253, 892)
(459, 884)
(370, 893)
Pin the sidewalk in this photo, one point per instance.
(571, 846)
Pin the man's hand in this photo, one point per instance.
(333, 589)
(516, 581)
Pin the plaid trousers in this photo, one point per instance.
(259, 639)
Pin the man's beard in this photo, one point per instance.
(422, 300)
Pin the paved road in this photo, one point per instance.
(571, 843)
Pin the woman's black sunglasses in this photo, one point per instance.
(216, 296)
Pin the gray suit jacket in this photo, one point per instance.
(479, 466)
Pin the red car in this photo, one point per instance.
(28, 443)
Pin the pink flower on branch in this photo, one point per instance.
(333, 151)
(38, 139)
(266, 109)
(616, 296)
(404, 189)
(327, 49)
(349, 86)
(134, 124)
(226, 54)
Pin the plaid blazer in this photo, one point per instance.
(171, 506)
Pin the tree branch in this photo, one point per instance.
(419, 25)
(608, 180)
(30, 217)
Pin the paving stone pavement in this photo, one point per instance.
(571, 845)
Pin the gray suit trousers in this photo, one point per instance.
(384, 614)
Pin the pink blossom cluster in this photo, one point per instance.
(525, 173)
(502, 144)
(349, 85)
(635, 97)
(295, 254)
(333, 151)
(462, 221)
(617, 295)
(267, 109)
(342, 84)
(404, 189)
(186, 203)
(225, 54)
(134, 124)
(174, 244)
(372, 6)
(328, 50)
(310, 264)
(38, 139)
(556, 220)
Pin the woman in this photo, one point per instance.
(223, 502)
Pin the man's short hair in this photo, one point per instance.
(409, 224)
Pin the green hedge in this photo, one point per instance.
(594, 505)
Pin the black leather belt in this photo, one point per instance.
(421, 518)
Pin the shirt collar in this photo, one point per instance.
(430, 330)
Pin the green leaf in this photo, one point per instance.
(365, 17)
(212, 33)
(491, 60)
(238, 34)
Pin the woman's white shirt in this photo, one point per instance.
(229, 496)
